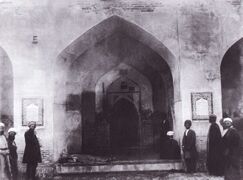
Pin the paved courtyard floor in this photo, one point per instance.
(140, 176)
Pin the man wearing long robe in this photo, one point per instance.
(189, 147)
(214, 148)
(231, 151)
(171, 147)
(32, 154)
(13, 156)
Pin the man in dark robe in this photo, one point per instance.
(171, 147)
(231, 150)
(13, 156)
(189, 147)
(214, 148)
(32, 155)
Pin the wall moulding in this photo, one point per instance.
(202, 105)
(32, 110)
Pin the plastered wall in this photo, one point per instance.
(196, 33)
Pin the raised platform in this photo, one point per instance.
(119, 166)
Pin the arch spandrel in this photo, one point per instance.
(106, 28)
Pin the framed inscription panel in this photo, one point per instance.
(202, 105)
(32, 110)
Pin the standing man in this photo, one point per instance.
(32, 155)
(5, 172)
(13, 156)
(231, 150)
(189, 147)
(214, 148)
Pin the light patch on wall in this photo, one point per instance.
(35, 82)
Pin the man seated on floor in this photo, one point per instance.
(171, 147)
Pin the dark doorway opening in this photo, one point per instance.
(124, 133)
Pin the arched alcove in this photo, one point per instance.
(6, 89)
(123, 70)
(232, 86)
(82, 64)
(232, 80)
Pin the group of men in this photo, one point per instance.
(223, 150)
(9, 156)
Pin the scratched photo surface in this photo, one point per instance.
(101, 89)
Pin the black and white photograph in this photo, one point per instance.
(121, 89)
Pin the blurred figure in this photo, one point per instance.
(32, 154)
(214, 148)
(189, 147)
(171, 147)
(164, 128)
(13, 156)
(5, 172)
(231, 150)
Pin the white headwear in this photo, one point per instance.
(31, 123)
(170, 133)
(1, 124)
(227, 119)
(12, 130)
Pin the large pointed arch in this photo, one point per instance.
(231, 70)
(107, 28)
(76, 53)
(6, 89)
(232, 80)
(102, 31)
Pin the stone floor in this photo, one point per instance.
(140, 176)
(156, 175)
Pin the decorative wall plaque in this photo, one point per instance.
(202, 105)
(32, 110)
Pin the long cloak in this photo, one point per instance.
(214, 151)
(231, 152)
(32, 152)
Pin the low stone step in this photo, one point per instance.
(148, 175)
(121, 166)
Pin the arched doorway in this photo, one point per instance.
(81, 66)
(124, 128)
(231, 70)
(232, 81)
(6, 90)
(123, 110)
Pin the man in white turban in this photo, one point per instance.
(171, 147)
(13, 156)
(32, 153)
(4, 155)
(231, 150)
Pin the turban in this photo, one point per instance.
(227, 119)
(12, 130)
(212, 116)
(31, 123)
(170, 133)
(188, 121)
(2, 125)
